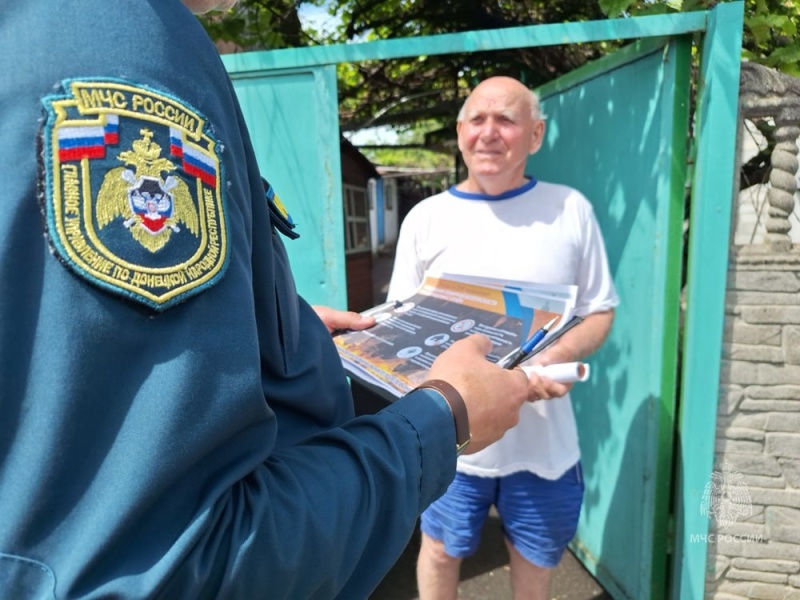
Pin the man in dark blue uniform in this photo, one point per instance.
(174, 420)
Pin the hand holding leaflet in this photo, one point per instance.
(511, 360)
(396, 353)
(533, 347)
(552, 339)
(560, 372)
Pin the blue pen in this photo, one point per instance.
(513, 359)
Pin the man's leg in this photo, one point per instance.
(451, 529)
(540, 517)
(528, 581)
(437, 571)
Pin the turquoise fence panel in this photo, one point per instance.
(610, 135)
(473, 41)
(293, 118)
(617, 132)
(707, 271)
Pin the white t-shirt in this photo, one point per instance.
(540, 232)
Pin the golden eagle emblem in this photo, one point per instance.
(151, 205)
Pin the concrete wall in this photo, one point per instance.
(753, 496)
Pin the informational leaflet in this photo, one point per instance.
(395, 355)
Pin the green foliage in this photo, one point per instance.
(410, 148)
(770, 26)
(418, 157)
(258, 25)
(401, 92)
(615, 7)
(771, 34)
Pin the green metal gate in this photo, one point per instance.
(633, 107)
(619, 131)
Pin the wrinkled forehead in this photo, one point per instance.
(497, 101)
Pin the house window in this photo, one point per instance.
(356, 219)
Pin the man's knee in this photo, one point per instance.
(433, 550)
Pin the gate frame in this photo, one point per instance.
(712, 189)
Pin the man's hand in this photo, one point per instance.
(574, 345)
(493, 395)
(579, 342)
(342, 319)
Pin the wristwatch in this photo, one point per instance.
(457, 407)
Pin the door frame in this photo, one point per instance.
(712, 185)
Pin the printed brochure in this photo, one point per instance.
(394, 355)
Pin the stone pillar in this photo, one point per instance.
(766, 93)
(754, 551)
(783, 182)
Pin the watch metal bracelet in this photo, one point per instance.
(457, 407)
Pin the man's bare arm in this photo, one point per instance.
(573, 346)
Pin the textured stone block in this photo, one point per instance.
(729, 398)
(764, 281)
(783, 444)
(759, 591)
(760, 481)
(772, 497)
(741, 433)
(780, 578)
(744, 420)
(741, 298)
(739, 372)
(777, 566)
(774, 392)
(723, 446)
(754, 464)
(781, 315)
(770, 354)
(717, 566)
(770, 405)
(742, 530)
(783, 524)
(791, 344)
(777, 375)
(791, 471)
(755, 335)
(783, 422)
(753, 549)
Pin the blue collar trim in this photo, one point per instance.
(504, 196)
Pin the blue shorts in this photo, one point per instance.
(539, 516)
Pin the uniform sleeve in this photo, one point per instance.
(207, 450)
(329, 517)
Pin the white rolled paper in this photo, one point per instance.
(561, 372)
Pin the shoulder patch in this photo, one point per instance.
(280, 217)
(132, 191)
